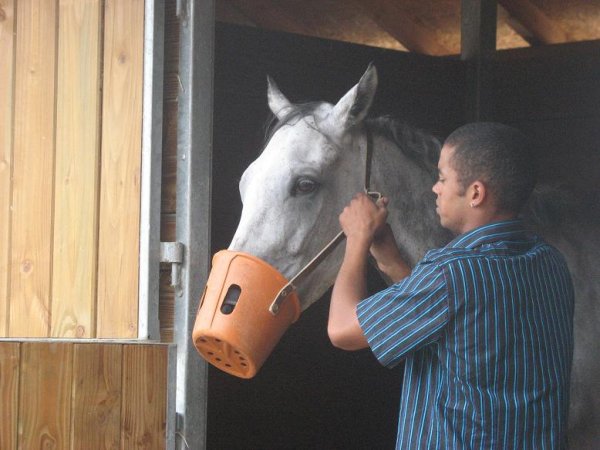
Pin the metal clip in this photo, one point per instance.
(172, 253)
(280, 297)
(375, 195)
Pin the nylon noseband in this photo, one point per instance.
(326, 251)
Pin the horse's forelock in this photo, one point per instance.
(298, 112)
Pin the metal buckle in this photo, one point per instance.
(375, 195)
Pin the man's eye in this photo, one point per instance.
(305, 186)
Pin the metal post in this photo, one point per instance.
(151, 181)
(194, 151)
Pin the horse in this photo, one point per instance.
(314, 161)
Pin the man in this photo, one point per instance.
(484, 324)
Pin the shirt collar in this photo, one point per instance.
(490, 233)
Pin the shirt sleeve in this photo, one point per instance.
(406, 316)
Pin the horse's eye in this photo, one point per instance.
(305, 186)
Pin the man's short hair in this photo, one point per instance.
(498, 155)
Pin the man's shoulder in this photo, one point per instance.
(444, 255)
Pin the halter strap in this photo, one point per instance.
(368, 159)
(329, 247)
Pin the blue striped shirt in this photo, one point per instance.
(485, 325)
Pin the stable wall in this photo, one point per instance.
(70, 152)
(83, 395)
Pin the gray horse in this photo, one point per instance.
(314, 162)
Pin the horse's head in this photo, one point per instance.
(294, 191)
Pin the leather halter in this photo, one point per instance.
(313, 263)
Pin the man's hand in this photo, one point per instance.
(362, 219)
(364, 224)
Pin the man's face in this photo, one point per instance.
(452, 204)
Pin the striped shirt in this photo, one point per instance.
(485, 326)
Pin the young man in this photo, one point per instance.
(484, 324)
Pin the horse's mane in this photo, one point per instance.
(421, 147)
(552, 206)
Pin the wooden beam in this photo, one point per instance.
(269, 14)
(406, 29)
(542, 29)
(76, 171)
(45, 387)
(9, 393)
(118, 247)
(226, 11)
(7, 71)
(478, 43)
(478, 28)
(33, 168)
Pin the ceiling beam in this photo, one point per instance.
(542, 29)
(407, 30)
(270, 14)
(227, 12)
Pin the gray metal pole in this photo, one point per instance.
(148, 323)
(194, 151)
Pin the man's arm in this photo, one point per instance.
(349, 288)
(387, 255)
(360, 221)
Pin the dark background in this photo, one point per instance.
(309, 395)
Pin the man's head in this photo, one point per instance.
(487, 171)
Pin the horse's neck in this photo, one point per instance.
(412, 203)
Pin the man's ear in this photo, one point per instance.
(477, 193)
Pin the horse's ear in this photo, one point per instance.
(278, 103)
(354, 106)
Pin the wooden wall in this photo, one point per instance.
(66, 395)
(70, 145)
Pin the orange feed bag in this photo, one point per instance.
(234, 329)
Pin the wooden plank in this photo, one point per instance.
(96, 413)
(120, 180)
(33, 159)
(77, 170)
(270, 14)
(9, 393)
(535, 21)
(7, 54)
(396, 21)
(166, 312)
(143, 418)
(45, 395)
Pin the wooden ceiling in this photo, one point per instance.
(423, 26)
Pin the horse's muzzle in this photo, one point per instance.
(234, 329)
